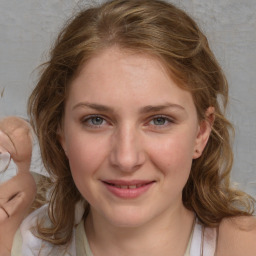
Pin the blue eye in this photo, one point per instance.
(160, 121)
(94, 121)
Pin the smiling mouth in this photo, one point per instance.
(126, 186)
(128, 189)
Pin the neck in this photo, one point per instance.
(168, 233)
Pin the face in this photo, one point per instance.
(130, 134)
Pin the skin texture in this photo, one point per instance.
(123, 139)
(16, 194)
(237, 237)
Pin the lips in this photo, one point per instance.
(128, 189)
(127, 184)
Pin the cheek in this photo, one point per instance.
(173, 159)
(85, 154)
(85, 157)
(173, 154)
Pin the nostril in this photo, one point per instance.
(127, 152)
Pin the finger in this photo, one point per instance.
(20, 183)
(17, 206)
(3, 215)
(17, 202)
(20, 134)
(11, 123)
(6, 144)
(10, 188)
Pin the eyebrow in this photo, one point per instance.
(158, 108)
(93, 106)
(143, 110)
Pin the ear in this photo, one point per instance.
(204, 131)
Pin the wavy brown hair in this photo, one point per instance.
(167, 33)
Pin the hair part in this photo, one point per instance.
(167, 33)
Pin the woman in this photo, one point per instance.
(129, 113)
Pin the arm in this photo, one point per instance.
(16, 194)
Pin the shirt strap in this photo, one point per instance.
(203, 240)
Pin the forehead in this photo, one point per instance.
(118, 74)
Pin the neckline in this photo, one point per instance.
(84, 243)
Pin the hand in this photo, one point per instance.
(16, 138)
(16, 194)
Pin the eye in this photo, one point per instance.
(160, 121)
(94, 121)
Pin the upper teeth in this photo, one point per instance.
(128, 186)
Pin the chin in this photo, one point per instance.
(128, 218)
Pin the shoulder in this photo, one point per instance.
(237, 236)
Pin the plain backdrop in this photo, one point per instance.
(28, 28)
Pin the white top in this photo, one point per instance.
(26, 244)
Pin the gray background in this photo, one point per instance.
(28, 27)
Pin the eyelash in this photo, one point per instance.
(87, 121)
(167, 121)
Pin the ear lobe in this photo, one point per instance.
(204, 132)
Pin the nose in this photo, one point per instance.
(127, 153)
